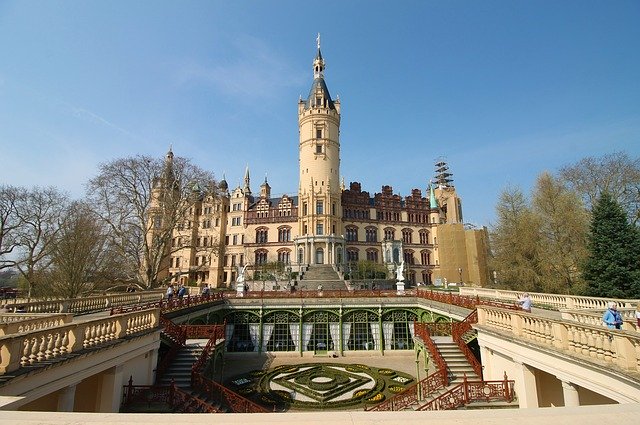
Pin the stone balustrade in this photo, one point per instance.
(87, 305)
(39, 346)
(18, 322)
(555, 301)
(618, 348)
(594, 317)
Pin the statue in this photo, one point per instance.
(400, 272)
(241, 272)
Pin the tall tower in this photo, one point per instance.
(319, 209)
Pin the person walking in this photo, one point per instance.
(170, 291)
(612, 318)
(182, 291)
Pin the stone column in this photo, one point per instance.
(570, 393)
(153, 363)
(525, 382)
(485, 356)
(66, 398)
(111, 393)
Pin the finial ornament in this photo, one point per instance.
(318, 40)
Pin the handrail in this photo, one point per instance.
(458, 330)
(426, 386)
(178, 338)
(218, 392)
(42, 346)
(422, 332)
(172, 304)
(556, 301)
(471, 391)
(86, 305)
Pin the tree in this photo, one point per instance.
(616, 174)
(612, 268)
(40, 213)
(143, 200)
(81, 256)
(10, 197)
(516, 252)
(564, 224)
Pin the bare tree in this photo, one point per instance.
(143, 200)
(10, 197)
(616, 174)
(40, 213)
(81, 256)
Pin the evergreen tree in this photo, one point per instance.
(613, 265)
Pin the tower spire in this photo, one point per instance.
(318, 62)
(247, 186)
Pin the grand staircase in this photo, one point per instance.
(457, 364)
(320, 275)
(180, 369)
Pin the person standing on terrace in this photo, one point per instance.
(525, 302)
(612, 318)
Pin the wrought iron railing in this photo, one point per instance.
(472, 391)
(428, 385)
(458, 330)
(216, 392)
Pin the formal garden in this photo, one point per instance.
(327, 386)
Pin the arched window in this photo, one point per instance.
(284, 234)
(424, 237)
(408, 257)
(261, 256)
(262, 235)
(407, 236)
(371, 234)
(284, 256)
(425, 257)
(352, 254)
(351, 233)
(372, 255)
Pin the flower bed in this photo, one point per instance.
(321, 386)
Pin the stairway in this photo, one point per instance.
(180, 369)
(320, 274)
(457, 363)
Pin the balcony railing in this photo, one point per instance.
(41, 346)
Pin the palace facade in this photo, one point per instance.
(326, 223)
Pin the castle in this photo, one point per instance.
(326, 223)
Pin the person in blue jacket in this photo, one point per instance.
(612, 317)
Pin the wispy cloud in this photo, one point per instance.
(92, 117)
(255, 70)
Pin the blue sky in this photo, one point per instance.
(502, 89)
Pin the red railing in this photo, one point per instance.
(217, 392)
(458, 330)
(423, 388)
(176, 398)
(178, 337)
(173, 304)
(468, 392)
(225, 397)
(422, 331)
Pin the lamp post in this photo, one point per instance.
(460, 274)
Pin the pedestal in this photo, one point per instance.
(400, 287)
(241, 289)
